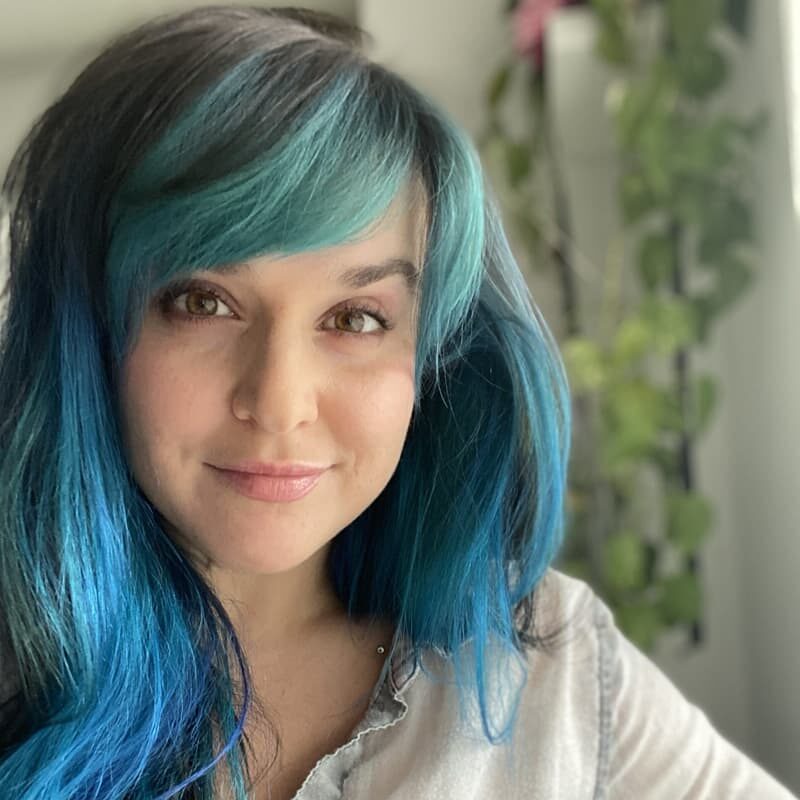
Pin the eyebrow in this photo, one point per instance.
(359, 277)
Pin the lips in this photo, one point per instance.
(270, 487)
(274, 469)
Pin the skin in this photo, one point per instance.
(264, 376)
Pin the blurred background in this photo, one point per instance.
(645, 158)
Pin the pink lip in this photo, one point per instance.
(280, 489)
(275, 469)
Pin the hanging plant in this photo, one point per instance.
(639, 408)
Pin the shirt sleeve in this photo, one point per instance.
(661, 746)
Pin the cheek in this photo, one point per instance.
(374, 410)
(160, 403)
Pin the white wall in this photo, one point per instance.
(45, 26)
(45, 43)
(759, 365)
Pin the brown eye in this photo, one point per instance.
(201, 303)
(194, 303)
(358, 320)
(347, 318)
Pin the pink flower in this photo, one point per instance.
(529, 21)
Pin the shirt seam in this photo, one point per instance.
(604, 632)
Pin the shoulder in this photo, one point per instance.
(549, 697)
(642, 736)
(563, 601)
(567, 623)
(663, 746)
(564, 703)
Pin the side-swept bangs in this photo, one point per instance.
(302, 144)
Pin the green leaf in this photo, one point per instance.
(734, 277)
(657, 144)
(680, 598)
(708, 150)
(624, 561)
(657, 93)
(672, 419)
(689, 201)
(618, 460)
(704, 315)
(691, 21)
(631, 341)
(633, 412)
(613, 44)
(586, 364)
(656, 260)
(630, 108)
(728, 221)
(641, 623)
(702, 71)
(702, 400)
(689, 518)
(737, 15)
(652, 553)
(636, 197)
(518, 159)
(733, 280)
(498, 85)
(672, 323)
(666, 460)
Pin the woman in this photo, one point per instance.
(283, 445)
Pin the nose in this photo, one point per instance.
(277, 383)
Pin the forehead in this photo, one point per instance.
(393, 245)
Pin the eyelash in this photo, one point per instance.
(167, 298)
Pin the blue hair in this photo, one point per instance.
(196, 141)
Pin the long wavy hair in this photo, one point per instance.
(193, 141)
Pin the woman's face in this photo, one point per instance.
(279, 360)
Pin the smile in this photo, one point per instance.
(267, 488)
